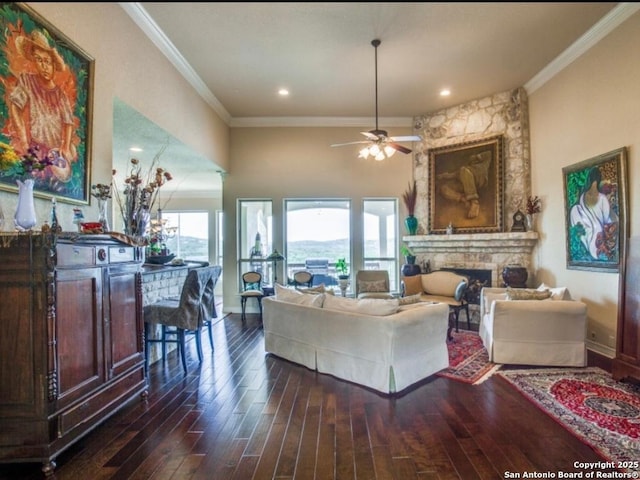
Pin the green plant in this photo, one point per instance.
(410, 197)
(341, 267)
(406, 251)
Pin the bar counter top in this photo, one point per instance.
(148, 268)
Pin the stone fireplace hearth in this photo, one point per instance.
(479, 251)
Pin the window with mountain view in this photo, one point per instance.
(381, 237)
(318, 233)
(188, 234)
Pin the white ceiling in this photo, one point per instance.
(243, 52)
(237, 55)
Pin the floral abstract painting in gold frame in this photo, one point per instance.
(595, 199)
(34, 53)
(466, 187)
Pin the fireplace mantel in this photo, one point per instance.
(505, 242)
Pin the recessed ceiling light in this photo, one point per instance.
(283, 92)
(136, 149)
(445, 92)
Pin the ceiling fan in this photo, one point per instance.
(379, 144)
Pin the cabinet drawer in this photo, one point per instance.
(121, 254)
(102, 404)
(75, 255)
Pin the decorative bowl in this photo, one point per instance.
(91, 227)
(159, 259)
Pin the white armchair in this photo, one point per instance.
(549, 332)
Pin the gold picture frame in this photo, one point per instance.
(466, 187)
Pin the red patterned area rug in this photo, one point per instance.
(590, 404)
(468, 359)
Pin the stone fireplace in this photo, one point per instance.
(480, 251)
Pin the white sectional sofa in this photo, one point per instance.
(387, 353)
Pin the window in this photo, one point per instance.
(188, 234)
(255, 238)
(317, 235)
(381, 237)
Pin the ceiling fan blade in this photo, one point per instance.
(399, 147)
(408, 138)
(371, 136)
(349, 143)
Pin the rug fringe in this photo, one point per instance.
(486, 376)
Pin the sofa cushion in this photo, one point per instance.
(408, 300)
(527, 294)
(365, 306)
(559, 293)
(290, 295)
(440, 283)
(373, 286)
(412, 285)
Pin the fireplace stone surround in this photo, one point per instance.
(477, 251)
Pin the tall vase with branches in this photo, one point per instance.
(410, 197)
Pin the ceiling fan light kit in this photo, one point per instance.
(379, 145)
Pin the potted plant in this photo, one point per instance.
(409, 256)
(410, 197)
(410, 268)
(343, 275)
(341, 269)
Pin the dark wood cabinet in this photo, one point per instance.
(71, 346)
(626, 365)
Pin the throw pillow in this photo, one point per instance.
(366, 306)
(290, 295)
(527, 294)
(373, 286)
(408, 300)
(317, 289)
(412, 285)
(559, 293)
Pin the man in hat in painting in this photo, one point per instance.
(41, 112)
(463, 185)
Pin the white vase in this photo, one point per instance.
(25, 217)
(102, 214)
(530, 222)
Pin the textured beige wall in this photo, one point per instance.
(590, 108)
(279, 163)
(128, 66)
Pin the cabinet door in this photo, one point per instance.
(124, 324)
(79, 332)
(627, 361)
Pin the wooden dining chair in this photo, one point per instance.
(251, 288)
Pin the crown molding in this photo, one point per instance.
(140, 16)
(606, 25)
(361, 122)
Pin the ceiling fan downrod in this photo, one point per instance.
(376, 43)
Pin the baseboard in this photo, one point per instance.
(601, 349)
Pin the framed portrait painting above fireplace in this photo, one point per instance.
(466, 187)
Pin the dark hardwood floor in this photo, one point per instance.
(246, 415)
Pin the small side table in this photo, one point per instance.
(269, 291)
